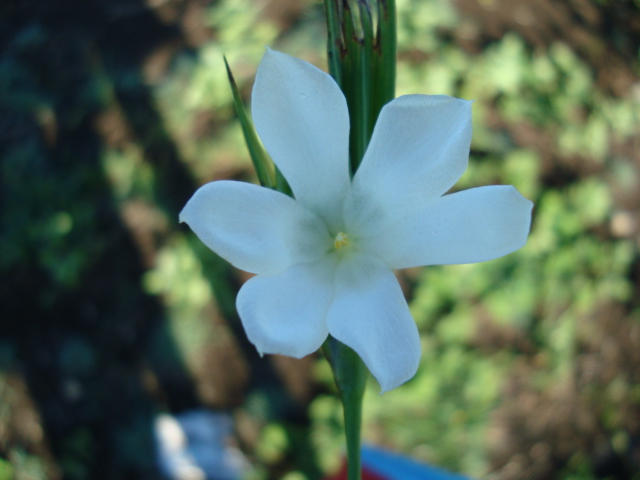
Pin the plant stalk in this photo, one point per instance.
(350, 375)
(361, 51)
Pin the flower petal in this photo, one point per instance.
(286, 313)
(254, 228)
(419, 149)
(471, 226)
(370, 315)
(302, 118)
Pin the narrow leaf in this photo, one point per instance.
(335, 40)
(366, 73)
(259, 156)
(352, 86)
(384, 64)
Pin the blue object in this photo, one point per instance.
(195, 445)
(397, 467)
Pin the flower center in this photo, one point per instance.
(341, 240)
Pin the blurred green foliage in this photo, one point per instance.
(505, 343)
(571, 269)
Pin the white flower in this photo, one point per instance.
(325, 260)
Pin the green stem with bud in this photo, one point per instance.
(361, 53)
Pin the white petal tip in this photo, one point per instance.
(183, 216)
(385, 388)
(408, 374)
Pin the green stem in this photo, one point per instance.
(362, 60)
(350, 375)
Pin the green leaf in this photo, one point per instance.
(384, 59)
(259, 156)
(335, 43)
(362, 60)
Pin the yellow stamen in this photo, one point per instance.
(341, 240)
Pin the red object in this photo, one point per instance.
(366, 474)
